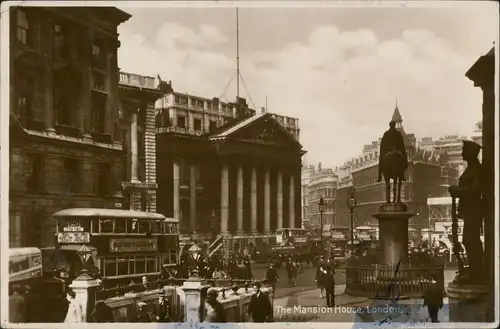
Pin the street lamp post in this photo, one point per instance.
(194, 254)
(322, 208)
(351, 204)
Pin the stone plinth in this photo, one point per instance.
(84, 287)
(193, 306)
(393, 233)
(469, 303)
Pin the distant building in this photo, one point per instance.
(344, 183)
(307, 172)
(323, 183)
(427, 144)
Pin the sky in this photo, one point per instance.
(339, 70)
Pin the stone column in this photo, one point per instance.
(49, 77)
(176, 187)
(291, 203)
(134, 147)
(239, 191)
(267, 202)
(253, 201)
(279, 201)
(192, 197)
(224, 199)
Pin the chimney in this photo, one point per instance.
(262, 110)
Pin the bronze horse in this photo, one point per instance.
(393, 166)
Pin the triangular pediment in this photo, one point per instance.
(265, 130)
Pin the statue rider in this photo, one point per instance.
(470, 209)
(391, 141)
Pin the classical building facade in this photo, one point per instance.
(65, 149)
(423, 180)
(343, 213)
(323, 183)
(223, 169)
(138, 95)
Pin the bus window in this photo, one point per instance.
(173, 229)
(120, 226)
(167, 228)
(151, 264)
(155, 226)
(110, 267)
(123, 266)
(95, 225)
(132, 226)
(140, 265)
(143, 226)
(106, 226)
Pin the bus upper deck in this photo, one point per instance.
(123, 243)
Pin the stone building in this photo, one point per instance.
(223, 169)
(323, 183)
(343, 214)
(138, 95)
(65, 148)
(307, 172)
(423, 180)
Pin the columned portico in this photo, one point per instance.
(134, 147)
(239, 201)
(291, 203)
(279, 200)
(253, 201)
(224, 199)
(192, 198)
(267, 201)
(176, 187)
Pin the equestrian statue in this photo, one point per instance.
(393, 162)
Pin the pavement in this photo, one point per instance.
(306, 305)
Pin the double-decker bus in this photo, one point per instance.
(292, 235)
(25, 264)
(124, 244)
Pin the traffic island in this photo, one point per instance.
(392, 276)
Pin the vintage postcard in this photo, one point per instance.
(224, 163)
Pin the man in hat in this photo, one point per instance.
(470, 209)
(260, 308)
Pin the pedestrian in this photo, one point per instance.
(320, 278)
(260, 308)
(291, 271)
(142, 314)
(214, 311)
(272, 277)
(32, 305)
(17, 305)
(433, 299)
(329, 282)
(102, 313)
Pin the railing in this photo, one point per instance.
(386, 281)
(216, 245)
(234, 295)
(137, 80)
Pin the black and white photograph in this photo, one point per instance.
(208, 162)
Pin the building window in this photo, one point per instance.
(98, 58)
(98, 111)
(181, 121)
(184, 173)
(62, 97)
(102, 179)
(72, 174)
(198, 103)
(61, 49)
(99, 81)
(213, 126)
(181, 100)
(25, 90)
(197, 124)
(33, 171)
(24, 30)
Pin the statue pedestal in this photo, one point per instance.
(393, 233)
(84, 287)
(469, 303)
